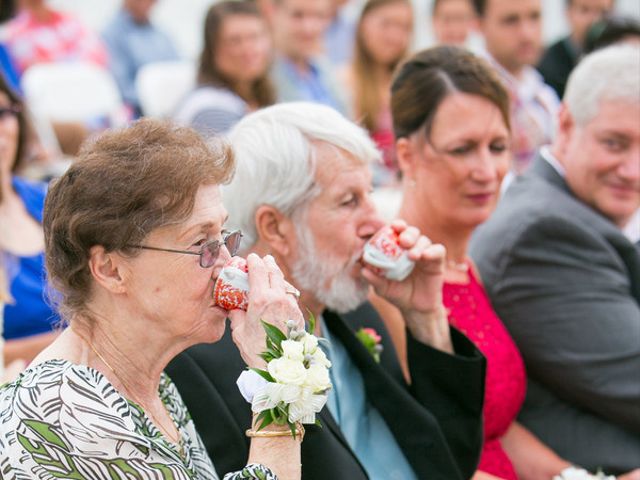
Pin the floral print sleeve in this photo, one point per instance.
(251, 472)
(61, 420)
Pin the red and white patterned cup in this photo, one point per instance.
(231, 289)
(384, 253)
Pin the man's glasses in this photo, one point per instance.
(209, 252)
(9, 111)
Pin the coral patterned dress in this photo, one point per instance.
(471, 312)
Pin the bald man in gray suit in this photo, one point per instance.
(564, 278)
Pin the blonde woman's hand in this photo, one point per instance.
(270, 300)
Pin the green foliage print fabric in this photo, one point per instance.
(61, 420)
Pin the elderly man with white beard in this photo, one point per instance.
(301, 193)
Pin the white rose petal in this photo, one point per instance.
(318, 378)
(290, 393)
(285, 370)
(292, 350)
(310, 343)
(320, 358)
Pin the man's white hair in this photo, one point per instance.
(609, 74)
(276, 160)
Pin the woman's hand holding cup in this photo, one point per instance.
(270, 299)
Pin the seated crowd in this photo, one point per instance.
(511, 180)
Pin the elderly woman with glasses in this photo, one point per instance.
(134, 240)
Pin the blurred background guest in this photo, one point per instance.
(4, 297)
(132, 41)
(564, 278)
(28, 319)
(233, 74)
(8, 9)
(452, 171)
(339, 38)
(7, 372)
(8, 68)
(513, 38)
(611, 30)
(452, 21)
(40, 34)
(266, 9)
(300, 72)
(382, 41)
(560, 58)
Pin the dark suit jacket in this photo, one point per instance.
(566, 283)
(556, 64)
(436, 421)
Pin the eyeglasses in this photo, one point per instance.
(209, 252)
(10, 111)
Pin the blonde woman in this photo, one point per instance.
(383, 37)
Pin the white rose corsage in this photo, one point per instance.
(573, 473)
(296, 381)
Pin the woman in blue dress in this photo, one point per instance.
(29, 321)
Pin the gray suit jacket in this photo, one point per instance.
(566, 283)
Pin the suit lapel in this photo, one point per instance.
(628, 252)
(366, 316)
(630, 255)
(388, 396)
(541, 168)
(358, 353)
(329, 422)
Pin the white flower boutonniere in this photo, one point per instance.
(298, 378)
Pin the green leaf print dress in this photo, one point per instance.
(59, 420)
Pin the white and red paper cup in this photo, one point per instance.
(231, 289)
(384, 253)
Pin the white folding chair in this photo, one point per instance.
(73, 92)
(161, 85)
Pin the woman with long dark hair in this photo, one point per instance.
(233, 75)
